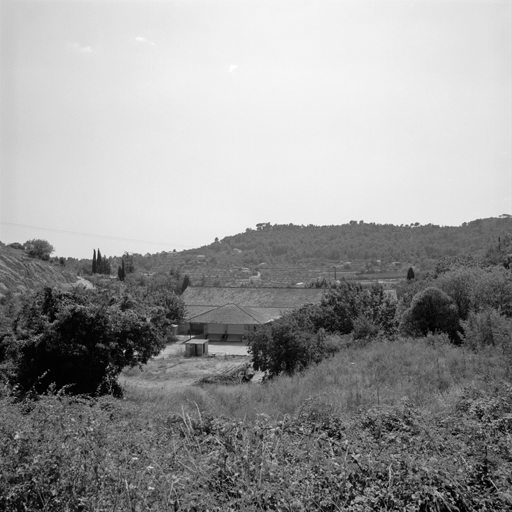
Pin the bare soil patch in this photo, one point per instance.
(177, 371)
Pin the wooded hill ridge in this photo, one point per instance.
(356, 246)
(359, 240)
(279, 253)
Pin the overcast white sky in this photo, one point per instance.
(175, 122)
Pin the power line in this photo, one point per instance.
(166, 244)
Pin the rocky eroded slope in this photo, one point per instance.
(20, 272)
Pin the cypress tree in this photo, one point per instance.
(120, 271)
(99, 263)
(410, 274)
(94, 263)
(186, 283)
(106, 266)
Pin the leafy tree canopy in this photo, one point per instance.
(39, 248)
(81, 339)
(431, 311)
(299, 338)
(288, 345)
(346, 301)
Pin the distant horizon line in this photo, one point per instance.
(196, 247)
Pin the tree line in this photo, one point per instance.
(102, 265)
(414, 243)
(469, 301)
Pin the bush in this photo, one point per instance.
(487, 328)
(344, 304)
(287, 346)
(364, 328)
(473, 289)
(81, 339)
(431, 311)
(493, 289)
(72, 454)
(459, 284)
(334, 343)
(39, 248)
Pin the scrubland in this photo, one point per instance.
(409, 424)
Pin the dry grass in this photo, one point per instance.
(403, 425)
(426, 373)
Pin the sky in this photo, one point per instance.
(147, 126)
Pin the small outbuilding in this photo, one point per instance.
(196, 347)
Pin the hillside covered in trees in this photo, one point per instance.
(362, 241)
(367, 404)
(284, 254)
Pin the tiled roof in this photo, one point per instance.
(198, 310)
(276, 298)
(272, 313)
(231, 314)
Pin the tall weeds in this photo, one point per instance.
(426, 372)
(65, 454)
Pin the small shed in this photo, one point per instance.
(195, 347)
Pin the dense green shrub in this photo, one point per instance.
(288, 345)
(431, 311)
(81, 339)
(485, 328)
(39, 248)
(348, 301)
(471, 287)
(64, 454)
(299, 338)
(493, 289)
(474, 289)
(365, 328)
(460, 284)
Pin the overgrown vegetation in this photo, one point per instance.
(432, 310)
(357, 246)
(299, 338)
(369, 404)
(81, 340)
(462, 297)
(359, 240)
(405, 425)
(38, 248)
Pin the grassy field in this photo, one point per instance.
(428, 373)
(392, 425)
